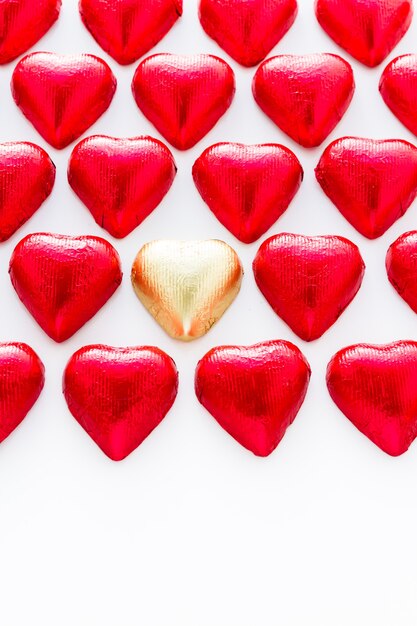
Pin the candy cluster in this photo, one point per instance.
(119, 395)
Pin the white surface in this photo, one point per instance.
(191, 529)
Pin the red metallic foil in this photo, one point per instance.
(308, 281)
(121, 181)
(401, 265)
(128, 29)
(253, 392)
(376, 388)
(247, 29)
(183, 96)
(23, 23)
(62, 94)
(21, 382)
(372, 182)
(305, 95)
(248, 187)
(27, 176)
(398, 87)
(63, 281)
(366, 29)
(119, 395)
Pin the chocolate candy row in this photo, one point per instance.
(247, 31)
(185, 96)
(119, 395)
(187, 285)
(247, 187)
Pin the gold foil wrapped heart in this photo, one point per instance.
(186, 285)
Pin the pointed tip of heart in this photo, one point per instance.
(247, 31)
(23, 24)
(126, 30)
(368, 30)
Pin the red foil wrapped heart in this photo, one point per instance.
(248, 187)
(398, 88)
(254, 392)
(119, 395)
(372, 182)
(305, 95)
(183, 96)
(21, 382)
(23, 23)
(401, 264)
(296, 274)
(366, 29)
(27, 176)
(63, 281)
(247, 29)
(376, 388)
(62, 94)
(121, 181)
(128, 29)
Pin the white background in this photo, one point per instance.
(191, 529)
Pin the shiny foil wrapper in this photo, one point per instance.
(62, 95)
(128, 29)
(398, 88)
(296, 274)
(401, 265)
(247, 187)
(368, 30)
(371, 181)
(23, 23)
(375, 386)
(119, 395)
(27, 176)
(22, 377)
(183, 96)
(254, 392)
(305, 95)
(186, 285)
(121, 180)
(247, 29)
(63, 281)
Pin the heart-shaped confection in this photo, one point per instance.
(247, 187)
(27, 176)
(23, 23)
(372, 182)
(308, 281)
(254, 392)
(62, 94)
(305, 95)
(247, 29)
(366, 29)
(63, 281)
(121, 181)
(183, 96)
(119, 395)
(127, 29)
(376, 388)
(186, 285)
(21, 381)
(401, 264)
(398, 87)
